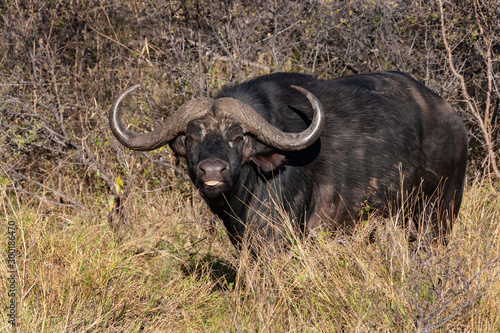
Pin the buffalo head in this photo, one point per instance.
(218, 136)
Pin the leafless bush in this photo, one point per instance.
(64, 62)
(476, 67)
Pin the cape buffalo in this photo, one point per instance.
(321, 151)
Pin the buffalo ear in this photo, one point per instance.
(263, 156)
(179, 146)
(268, 161)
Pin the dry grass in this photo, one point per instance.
(168, 273)
(163, 266)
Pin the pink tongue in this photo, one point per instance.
(212, 182)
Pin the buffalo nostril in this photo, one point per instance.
(212, 168)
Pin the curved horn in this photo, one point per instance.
(162, 135)
(253, 123)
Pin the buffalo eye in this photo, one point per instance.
(238, 139)
(189, 139)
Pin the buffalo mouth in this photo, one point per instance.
(213, 183)
(213, 188)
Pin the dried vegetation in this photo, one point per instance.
(112, 240)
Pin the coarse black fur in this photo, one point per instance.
(387, 138)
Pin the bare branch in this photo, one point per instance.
(73, 203)
(483, 122)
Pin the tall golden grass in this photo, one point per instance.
(161, 265)
(171, 271)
